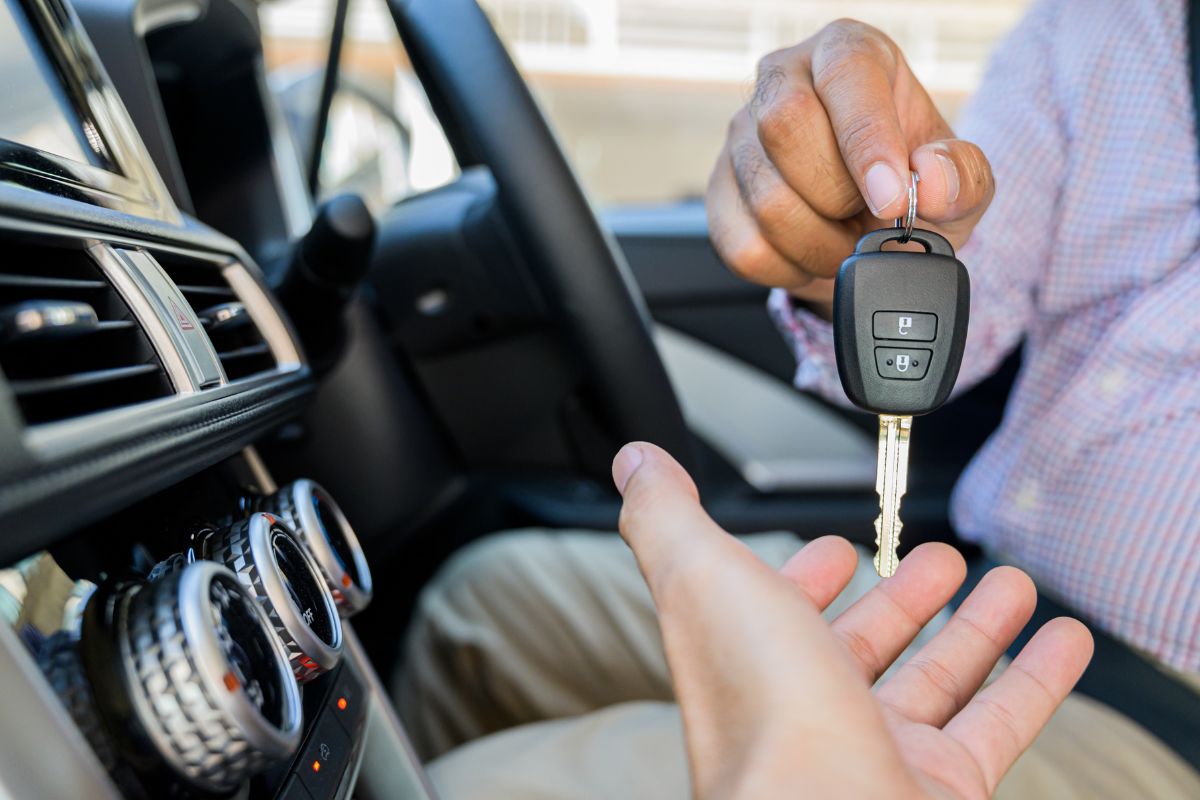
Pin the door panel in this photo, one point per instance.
(741, 413)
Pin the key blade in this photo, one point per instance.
(890, 484)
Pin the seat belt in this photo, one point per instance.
(1193, 33)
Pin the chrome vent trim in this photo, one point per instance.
(266, 316)
(165, 316)
(247, 332)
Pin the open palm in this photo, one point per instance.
(778, 703)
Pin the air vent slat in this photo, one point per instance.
(70, 371)
(51, 284)
(116, 325)
(253, 350)
(206, 291)
(80, 379)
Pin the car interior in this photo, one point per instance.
(223, 389)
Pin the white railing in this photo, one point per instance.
(946, 42)
(310, 20)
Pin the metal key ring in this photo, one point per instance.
(906, 222)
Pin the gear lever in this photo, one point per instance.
(328, 265)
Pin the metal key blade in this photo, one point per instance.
(891, 483)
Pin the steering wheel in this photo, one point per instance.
(491, 118)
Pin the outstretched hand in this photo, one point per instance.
(777, 702)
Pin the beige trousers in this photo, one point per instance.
(534, 669)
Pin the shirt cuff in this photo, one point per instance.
(810, 339)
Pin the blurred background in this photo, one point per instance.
(639, 91)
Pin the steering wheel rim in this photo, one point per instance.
(491, 118)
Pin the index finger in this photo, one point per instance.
(854, 70)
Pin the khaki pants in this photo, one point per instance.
(534, 669)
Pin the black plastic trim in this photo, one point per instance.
(44, 385)
(42, 501)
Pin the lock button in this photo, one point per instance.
(905, 325)
(902, 364)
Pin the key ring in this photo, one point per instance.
(906, 222)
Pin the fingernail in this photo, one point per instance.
(950, 171)
(883, 187)
(625, 464)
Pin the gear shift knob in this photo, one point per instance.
(336, 251)
(328, 265)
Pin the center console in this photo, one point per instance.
(228, 668)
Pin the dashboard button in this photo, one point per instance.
(324, 758)
(347, 703)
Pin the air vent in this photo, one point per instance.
(235, 336)
(69, 345)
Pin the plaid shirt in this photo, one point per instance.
(1089, 254)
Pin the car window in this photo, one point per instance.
(382, 140)
(641, 90)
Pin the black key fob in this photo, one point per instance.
(900, 323)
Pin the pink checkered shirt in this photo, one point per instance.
(1090, 254)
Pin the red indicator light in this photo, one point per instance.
(316, 766)
(342, 704)
(346, 581)
(231, 682)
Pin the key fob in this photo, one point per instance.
(900, 323)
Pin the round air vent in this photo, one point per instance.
(323, 528)
(188, 674)
(279, 573)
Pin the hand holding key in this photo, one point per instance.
(818, 157)
(899, 329)
(822, 154)
(777, 703)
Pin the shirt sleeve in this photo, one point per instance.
(1015, 118)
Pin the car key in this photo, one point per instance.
(899, 328)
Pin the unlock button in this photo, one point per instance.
(905, 325)
(902, 363)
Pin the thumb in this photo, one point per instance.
(661, 518)
(956, 186)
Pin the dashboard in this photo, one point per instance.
(176, 624)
